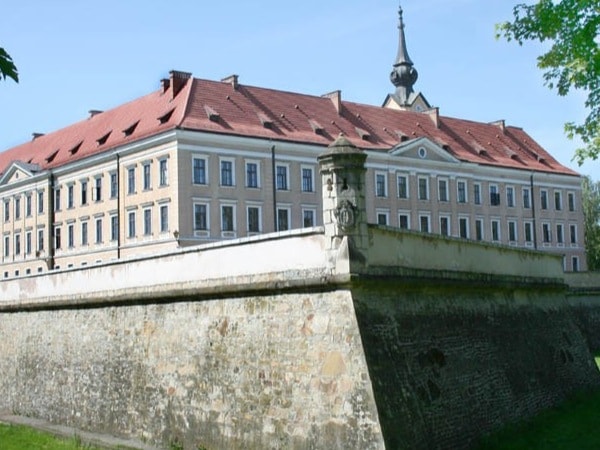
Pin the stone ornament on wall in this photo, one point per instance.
(345, 215)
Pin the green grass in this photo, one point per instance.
(17, 437)
(572, 425)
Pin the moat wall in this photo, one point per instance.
(312, 355)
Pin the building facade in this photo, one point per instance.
(201, 160)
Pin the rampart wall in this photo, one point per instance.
(311, 348)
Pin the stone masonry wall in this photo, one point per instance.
(451, 361)
(258, 372)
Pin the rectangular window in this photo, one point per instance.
(557, 200)
(6, 246)
(404, 221)
(131, 224)
(381, 185)
(573, 234)
(147, 222)
(423, 188)
(57, 199)
(97, 189)
(253, 219)
(307, 179)
(443, 190)
(308, 218)
(227, 218)
(199, 170)
(494, 195)
(40, 202)
(463, 227)
(113, 185)
(164, 218)
(560, 235)
(17, 244)
(114, 228)
(251, 174)
(200, 217)
(575, 263)
(28, 245)
(70, 196)
(163, 172)
(461, 191)
(510, 196)
(146, 176)
(512, 231)
(526, 198)
(546, 233)
(571, 200)
(28, 205)
(17, 208)
(227, 173)
(382, 218)
(84, 191)
(98, 231)
(402, 186)
(6, 210)
(479, 229)
(528, 232)
(477, 193)
(84, 233)
(544, 199)
(131, 180)
(282, 178)
(283, 219)
(424, 224)
(71, 236)
(444, 226)
(40, 240)
(495, 230)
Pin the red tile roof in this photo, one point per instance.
(219, 107)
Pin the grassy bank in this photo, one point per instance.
(18, 437)
(572, 425)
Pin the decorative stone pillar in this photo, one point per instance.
(343, 171)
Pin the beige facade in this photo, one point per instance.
(183, 188)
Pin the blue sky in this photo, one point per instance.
(74, 56)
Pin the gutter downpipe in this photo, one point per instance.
(535, 243)
(118, 206)
(274, 188)
(51, 217)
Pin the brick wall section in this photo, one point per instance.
(451, 362)
(279, 372)
(584, 298)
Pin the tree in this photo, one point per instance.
(591, 212)
(7, 67)
(573, 60)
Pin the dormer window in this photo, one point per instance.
(129, 130)
(76, 148)
(166, 117)
(51, 156)
(103, 139)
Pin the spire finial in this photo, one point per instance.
(403, 75)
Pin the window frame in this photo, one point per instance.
(202, 171)
(381, 184)
(423, 190)
(226, 177)
(199, 215)
(282, 178)
(404, 192)
(443, 181)
(311, 180)
(462, 195)
(258, 229)
(252, 178)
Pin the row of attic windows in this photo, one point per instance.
(164, 118)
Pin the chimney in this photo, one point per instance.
(336, 98)
(94, 112)
(178, 80)
(500, 124)
(232, 79)
(34, 136)
(165, 83)
(434, 115)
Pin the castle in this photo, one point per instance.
(199, 161)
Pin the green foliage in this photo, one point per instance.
(7, 67)
(572, 425)
(573, 61)
(591, 213)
